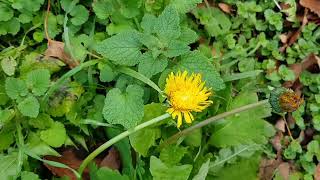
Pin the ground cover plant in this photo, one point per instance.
(159, 89)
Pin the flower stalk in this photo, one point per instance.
(118, 138)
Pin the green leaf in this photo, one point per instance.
(148, 23)
(80, 15)
(23, 6)
(161, 171)
(102, 8)
(195, 62)
(107, 74)
(8, 65)
(106, 173)
(15, 88)
(6, 116)
(55, 136)
(194, 139)
(11, 26)
(6, 13)
(124, 108)
(9, 166)
(25, 175)
(274, 18)
(29, 107)
(142, 140)
(43, 121)
(36, 146)
(231, 155)
(3, 95)
(6, 139)
(244, 128)
(172, 155)
(167, 25)
(122, 49)
(293, 149)
(215, 22)
(130, 9)
(245, 169)
(176, 48)
(203, 171)
(39, 81)
(188, 36)
(184, 6)
(150, 66)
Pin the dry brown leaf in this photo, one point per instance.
(292, 37)
(276, 141)
(313, 5)
(56, 50)
(297, 68)
(281, 125)
(317, 173)
(225, 8)
(267, 167)
(284, 170)
(112, 160)
(69, 157)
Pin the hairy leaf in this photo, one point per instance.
(125, 108)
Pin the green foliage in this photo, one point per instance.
(8, 166)
(124, 108)
(248, 170)
(197, 63)
(38, 81)
(240, 55)
(55, 136)
(29, 107)
(159, 170)
(106, 173)
(244, 128)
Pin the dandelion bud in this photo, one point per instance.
(284, 100)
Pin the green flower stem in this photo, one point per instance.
(20, 146)
(117, 138)
(135, 74)
(187, 131)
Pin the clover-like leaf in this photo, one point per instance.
(79, 15)
(125, 108)
(29, 107)
(15, 88)
(55, 136)
(38, 80)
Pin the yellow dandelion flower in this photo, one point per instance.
(186, 94)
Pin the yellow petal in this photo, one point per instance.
(187, 117)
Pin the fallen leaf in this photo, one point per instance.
(225, 8)
(292, 37)
(267, 168)
(317, 173)
(281, 125)
(313, 5)
(112, 160)
(276, 141)
(306, 64)
(56, 50)
(284, 170)
(71, 158)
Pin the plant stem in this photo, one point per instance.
(20, 146)
(187, 131)
(117, 138)
(135, 74)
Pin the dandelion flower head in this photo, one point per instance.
(186, 94)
